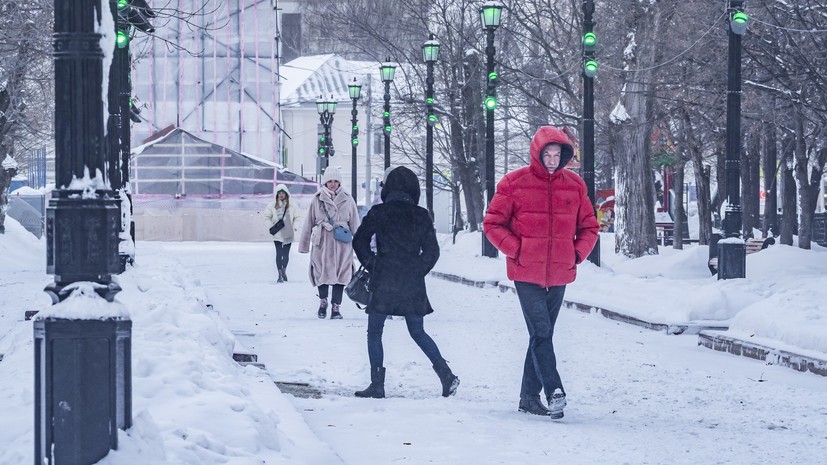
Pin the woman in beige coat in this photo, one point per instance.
(331, 261)
(282, 209)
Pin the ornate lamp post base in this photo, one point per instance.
(82, 383)
(82, 238)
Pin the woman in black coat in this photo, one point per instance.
(406, 250)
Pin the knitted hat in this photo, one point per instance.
(332, 173)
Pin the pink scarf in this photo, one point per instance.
(329, 192)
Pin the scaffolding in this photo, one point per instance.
(212, 70)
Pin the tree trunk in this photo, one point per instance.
(750, 184)
(474, 157)
(630, 127)
(702, 179)
(464, 171)
(635, 233)
(788, 192)
(703, 175)
(5, 180)
(805, 224)
(465, 174)
(770, 162)
(720, 178)
(680, 211)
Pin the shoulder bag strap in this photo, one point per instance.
(325, 211)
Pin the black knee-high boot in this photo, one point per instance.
(449, 381)
(376, 389)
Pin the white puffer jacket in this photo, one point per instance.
(273, 213)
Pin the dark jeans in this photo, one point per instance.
(282, 254)
(376, 324)
(540, 306)
(338, 290)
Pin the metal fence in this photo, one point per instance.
(29, 211)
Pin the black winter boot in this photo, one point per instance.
(534, 406)
(376, 390)
(284, 273)
(334, 313)
(281, 276)
(322, 308)
(450, 383)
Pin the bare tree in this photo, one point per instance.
(787, 50)
(630, 126)
(26, 87)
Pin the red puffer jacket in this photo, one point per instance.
(544, 223)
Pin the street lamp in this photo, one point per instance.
(387, 70)
(128, 14)
(354, 89)
(82, 364)
(326, 108)
(732, 253)
(589, 72)
(430, 53)
(490, 13)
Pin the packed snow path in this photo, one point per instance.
(635, 396)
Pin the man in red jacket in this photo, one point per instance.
(542, 220)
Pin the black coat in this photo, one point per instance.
(406, 250)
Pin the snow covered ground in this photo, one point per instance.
(635, 396)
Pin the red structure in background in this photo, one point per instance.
(604, 206)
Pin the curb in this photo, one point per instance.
(716, 341)
(676, 329)
(465, 281)
(672, 329)
(708, 336)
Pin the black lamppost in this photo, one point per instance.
(589, 72)
(326, 108)
(354, 89)
(82, 380)
(732, 254)
(430, 53)
(128, 14)
(490, 13)
(387, 70)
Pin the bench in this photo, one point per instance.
(757, 244)
(751, 245)
(665, 234)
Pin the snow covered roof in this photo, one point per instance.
(306, 78)
(180, 163)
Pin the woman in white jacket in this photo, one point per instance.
(282, 209)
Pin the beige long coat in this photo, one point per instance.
(331, 261)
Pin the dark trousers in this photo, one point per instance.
(282, 254)
(338, 290)
(540, 305)
(416, 328)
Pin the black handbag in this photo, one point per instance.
(279, 224)
(357, 289)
